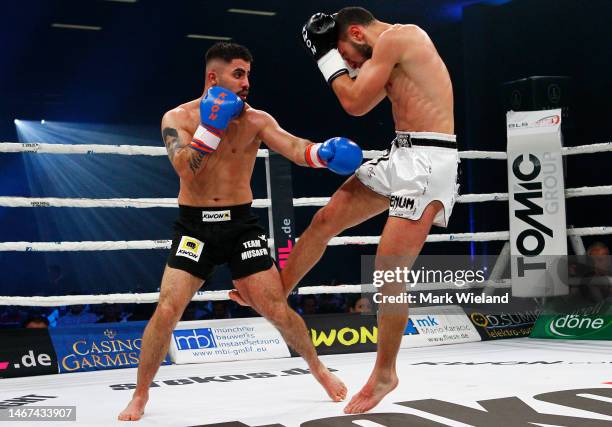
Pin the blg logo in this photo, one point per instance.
(573, 325)
(194, 339)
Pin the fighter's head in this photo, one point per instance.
(352, 23)
(599, 255)
(229, 65)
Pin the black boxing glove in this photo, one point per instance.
(320, 36)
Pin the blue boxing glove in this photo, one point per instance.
(340, 155)
(217, 109)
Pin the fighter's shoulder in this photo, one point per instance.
(398, 35)
(181, 114)
(258, 118)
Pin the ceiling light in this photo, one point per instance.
(76, 27)
(207, 37)
(252, 12)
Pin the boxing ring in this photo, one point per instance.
(476, 383)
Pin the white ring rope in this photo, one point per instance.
(153, 297)
(145, 150)
(126, 150)
(8, 147)
(109, 245)
(336, 241)
(58, 202)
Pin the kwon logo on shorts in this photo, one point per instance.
(216, 216)
(190, 248)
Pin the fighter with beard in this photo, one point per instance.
(212, 143)
(415, 179)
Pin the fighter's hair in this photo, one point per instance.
(226, 52)
(36, 318)
(352, 16)
(352, 300)
(597, 245)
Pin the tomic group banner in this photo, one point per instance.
(226, 340)
(536, 192)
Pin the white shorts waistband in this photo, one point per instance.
(428, 135)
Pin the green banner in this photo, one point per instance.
(587, 323)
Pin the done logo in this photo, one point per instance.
(190, 248)
(194, 339)
(573, 325)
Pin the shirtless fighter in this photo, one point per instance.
(212, 143)
(415, 179)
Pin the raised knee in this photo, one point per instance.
(326, 223)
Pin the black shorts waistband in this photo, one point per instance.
(215, 213)
(407, 140)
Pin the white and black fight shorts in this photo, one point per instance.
(419, 168)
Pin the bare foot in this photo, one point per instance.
(134, 410)
(331, 383)
(371, 394)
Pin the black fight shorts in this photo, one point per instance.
(207, 237)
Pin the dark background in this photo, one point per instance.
(112, 86)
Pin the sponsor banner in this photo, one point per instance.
(280, 214)
(225, 340)
(428, 326)
(26, 352)
(587, 323)
(509, 324)
(537, 203)
(516, 319)
(98, 346)
(342, 333)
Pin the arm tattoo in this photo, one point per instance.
(172, 142)
(195, 161)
